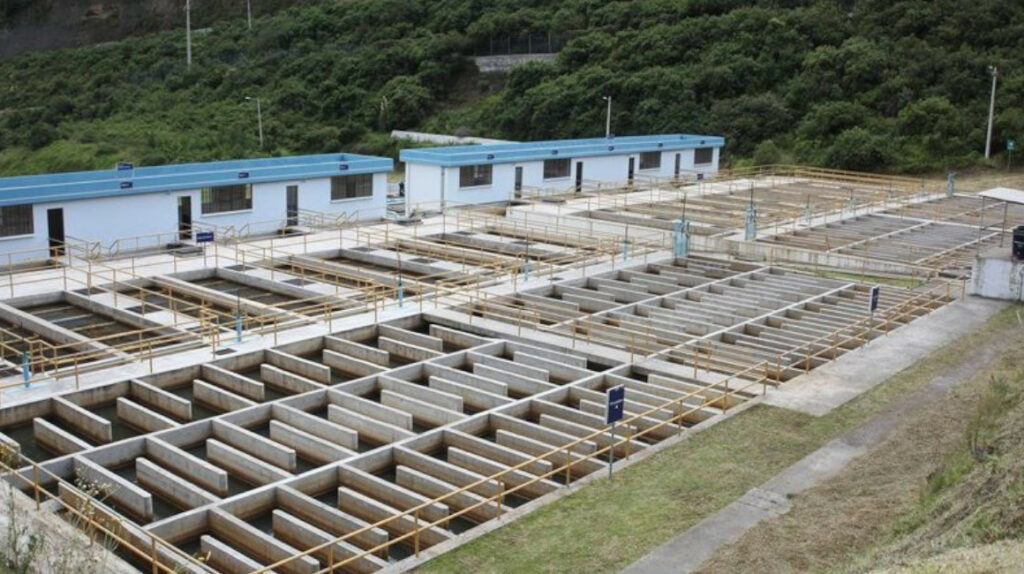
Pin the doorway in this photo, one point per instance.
(292, 205)
(519, 181)
(678, 164)
(55, 230)
(184, 218)
(632, 168)
(579, 176)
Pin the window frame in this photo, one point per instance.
(352, 186)
(568, 168)
(711, 155)
(480, 175)
(645, 158)
(23, 224)
(217, 205)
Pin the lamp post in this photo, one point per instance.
(608, 118)
(991, 110)
(188, 33)
(259, 117)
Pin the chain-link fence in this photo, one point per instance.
(509, 44)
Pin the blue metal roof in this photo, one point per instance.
(114, 183)
(533, 151)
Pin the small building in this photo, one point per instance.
(441, 177)
(45, 212)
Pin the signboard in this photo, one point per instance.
(1011, 144)
(873, 304)
(204, 237)
(125, 166)
(343, 167)
(243, 175)
(126, 185)
(616, 401)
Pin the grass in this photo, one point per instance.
(905, 497)
(607, 526)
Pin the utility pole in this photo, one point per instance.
(248, 12)
(188, 33)
(991, 110)
(259, 117)
(608, 118)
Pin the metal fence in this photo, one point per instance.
(516, 44)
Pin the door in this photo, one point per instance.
(519, 181)
(632, 168)
(292, 204)
(55, 231)
(579, 176)
(678, 163)
(184, 218)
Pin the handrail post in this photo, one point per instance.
(416, 533)
(35, 482)
(152, 547)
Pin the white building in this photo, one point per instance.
(40, 214)
(451, 176)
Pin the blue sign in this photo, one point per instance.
(243, 175)
(875, 292)
(616, 404)
(700, 176)
(204, 237)
(125, 166)
(126, 185)
(343, 167)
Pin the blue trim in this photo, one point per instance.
(111, 183)
(455, 156)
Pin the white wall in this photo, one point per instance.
(424, 183)
(151, 214)
(422, 187)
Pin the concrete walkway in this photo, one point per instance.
(688, 551)
(834, 384)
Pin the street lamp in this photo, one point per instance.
(259, 117)
(608, 118)
(188, 33)
(991, 110)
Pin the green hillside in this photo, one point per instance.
(859, 84)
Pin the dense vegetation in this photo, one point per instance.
(886, 85)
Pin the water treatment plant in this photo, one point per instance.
(361, 394)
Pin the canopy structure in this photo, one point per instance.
(1004, 194)
(1007, 196)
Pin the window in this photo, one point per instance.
(703, 155)
(227, 198)
(650, 160)
(352, 186)
(474, 175)
(557, 168)
(15, 220)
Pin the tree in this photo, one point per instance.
(859, 150)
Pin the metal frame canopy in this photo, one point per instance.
(137, 180)
(455, 156)
(1004, 194)
(1007, 196)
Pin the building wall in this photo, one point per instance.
(153, 217)
(422, 187)
(426, 185)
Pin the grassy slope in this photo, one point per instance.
(605, 527)
(918, 492)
